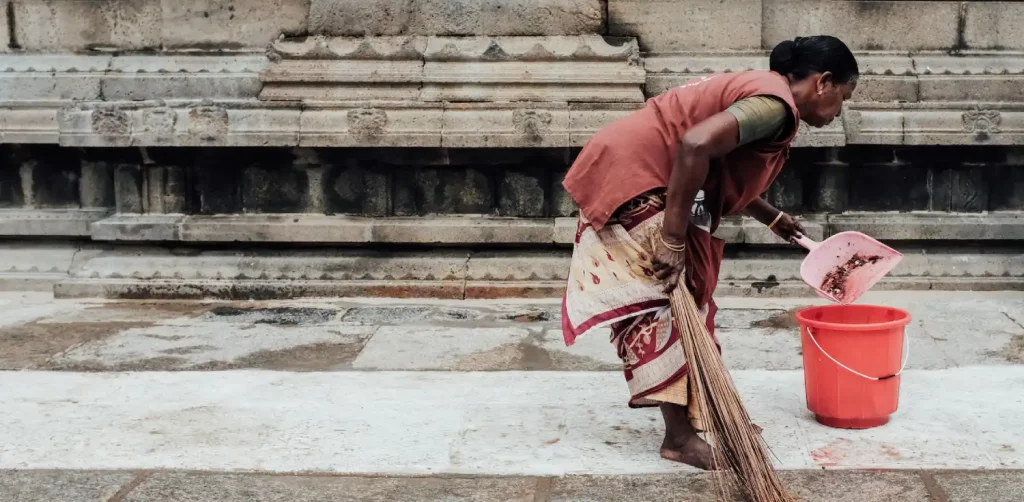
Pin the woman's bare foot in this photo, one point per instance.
(692, 451)
(682, 444)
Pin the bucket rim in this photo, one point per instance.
(801, 318)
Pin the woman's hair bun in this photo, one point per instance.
(804, 56)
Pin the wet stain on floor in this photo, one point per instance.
(35, 345)
(285, 316)
(781, 320)
(1013, 351)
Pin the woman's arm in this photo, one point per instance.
(712, 138)
(782, 224)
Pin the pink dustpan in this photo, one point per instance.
(846, 265)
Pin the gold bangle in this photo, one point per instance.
(678, 248)
(776, 220)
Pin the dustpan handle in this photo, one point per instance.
(806, 242)
(906, 357)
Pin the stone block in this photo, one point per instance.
(159, 77)
(55, 176)
(138, 227)
(961, 189)
(888, 187)
(5, 33)
(448, 230)
(230, 24)
(10, 183)
(455, 17)
(994, 26)
(293, 228)
(358, 188)
(831, 191)
(982, 486)
(585, 119)
(60, 223)
(60, 25)
(29, 125)
(1007, 194)
(48, 486)
(274, 189)
(128, 185)
(257, 488)
(561, 203)
(520, 266)
(635, 487)
(472, 125)
(417, 125)
(46, 77)
(522, 193)
(667, 26)
(932, 226)
(217, 186)
(430, 190)
(97, 185)
(787, 191)
(865, 25)
(835, 486)
(565, 230)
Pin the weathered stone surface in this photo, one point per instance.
(505, 125)
(431, 190)
(522, 192)
(644, 487)
(981, 486)
(358, 188)
(49, 222)
(666, 26)
(894, 186)
(59, 25)
(49, 486)
(230, 24)
(448, 230)
(867, 25)
(994, 26)
(296, 228)
(561, 203)
(417, 125)
(139, 227)
(159, 77)
(460, 17)
(856, 486)
(274, 189)
(936, 226)
(55, 179)
(128, 183)
(254, 488)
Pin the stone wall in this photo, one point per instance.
(375, 123)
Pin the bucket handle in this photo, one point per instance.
(906, 357)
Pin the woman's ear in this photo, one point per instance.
(825, 80)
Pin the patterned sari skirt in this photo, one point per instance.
(612, 285)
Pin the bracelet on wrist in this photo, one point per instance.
(678, 248)
(776, 220)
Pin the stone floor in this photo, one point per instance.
(440, 400)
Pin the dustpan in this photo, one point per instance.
(846, 265)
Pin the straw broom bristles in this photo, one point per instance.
(739, 450)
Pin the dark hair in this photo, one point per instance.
(818, 54)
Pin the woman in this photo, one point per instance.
(652, 189)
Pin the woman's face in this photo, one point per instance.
(825, 101)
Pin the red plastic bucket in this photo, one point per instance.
(853, 358)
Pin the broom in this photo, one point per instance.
(739, 450)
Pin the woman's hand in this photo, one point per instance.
(788, 228)
(668, 263)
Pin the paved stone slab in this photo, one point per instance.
(982, 486)
(180, 487)
(839, 486)
(415, 347)
(760, 348)
(676, 487)
(211, 346)
(60, 486)
(483, 423)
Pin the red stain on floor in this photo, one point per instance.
(831, 454)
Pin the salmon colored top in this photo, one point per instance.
(635, 154)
